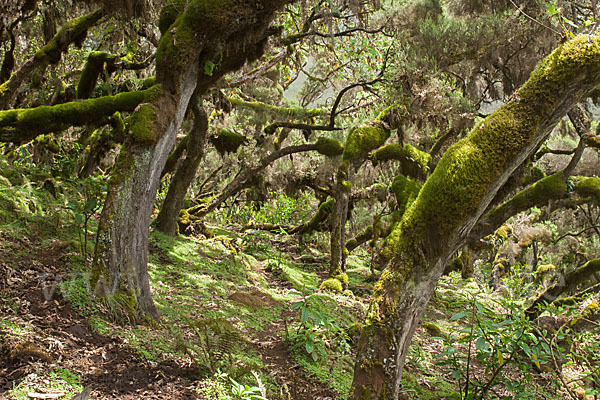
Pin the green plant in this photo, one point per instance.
(495, 341)
(89, 203)
(245, 392)
(316, 331)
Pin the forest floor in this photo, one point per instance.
(242, 316)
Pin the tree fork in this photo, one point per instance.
(202, 32)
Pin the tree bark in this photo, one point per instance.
(452, 200)
(166, 221)
(338, 223)
(224, 36)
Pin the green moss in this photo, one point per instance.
(414, 161)
(179, 46)
(552, 186)
(73, 31)
(346, 186)
(363, 139)
(169, 13)
(226, 141)
(351, 244)
(49, 142)
(331, 285)
(329, 147)
(589, 187)
(148, 82)
(45, 119)
(405, 190)
(433, 329)
(545, 268)
(325, 209)
(142, 124)
(343, 278)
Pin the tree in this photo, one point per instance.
(453, 199)
(201, 41)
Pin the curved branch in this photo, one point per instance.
(73, 31)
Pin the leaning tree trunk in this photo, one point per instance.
(452, 200)
(224, 34)
(166, 221)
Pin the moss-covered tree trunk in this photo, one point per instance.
(166, 221)
(453, 199)
(223, 35)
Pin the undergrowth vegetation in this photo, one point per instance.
(221, 297)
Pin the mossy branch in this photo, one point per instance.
(20, 125)
(414, 162)
(564, 284)
(290, 112)
(73, 31)
(550, 188)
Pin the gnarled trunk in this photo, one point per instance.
(451, 202)
(225, 35)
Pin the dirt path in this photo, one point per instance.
(107, 364)
(270, 343)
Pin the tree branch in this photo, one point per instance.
(21, 125)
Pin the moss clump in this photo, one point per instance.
(169, 13)
(331, 285)
(343, 278)
(226, 141)
(364, 139)
(351, 244)
(142, 124)
(49, 142)
(329, 147)
(433, 329)
(405, 190)
(589, 187)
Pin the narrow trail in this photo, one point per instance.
(293, 381)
